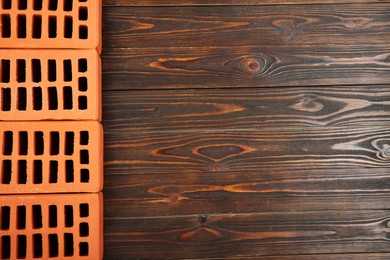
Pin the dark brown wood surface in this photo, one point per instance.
(246, 129)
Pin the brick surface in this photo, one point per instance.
(50, 24)
(47, 157)
(51, 226)
(50, 84)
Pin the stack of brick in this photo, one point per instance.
(51, 139)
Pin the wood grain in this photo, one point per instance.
(174, 68)
(131, 27)
(210, 109)
(358, 256)
(248, 235)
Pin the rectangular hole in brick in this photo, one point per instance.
(37, 27)
(84, 249)
(83, 32)
(84, 137)
(53, 98)
(7, 4)
(53, 5)
(5, 71)
(83, 103)
(84, 157)
(37, 216)
(7, 171)
(68, 216)
(22, 99)
(36, 70)
(84, 210)
(54, 143)
(52, 216)
(39, 143)
(68, 98)
(84, 175)
(83, 84)
(6, 26)
(22, 5)
(22, 26)
(5, 247)
(21, 217)
(53, 245)
(22, 246)
(6, 99)
(52, 26)
(37, 246)
(83, 13)
(23, 143)
(84, 229)
(38, 172)
(69, 143)
(37, 98)
(22, 172)
(67, 70)
(68, 5)
(52, 70)
(37, 5)
(68, 27)
(5, 215)
(8, 141)
(21, 70)
(53, 176)
(83, 65)
(68, 244)
(69, 171)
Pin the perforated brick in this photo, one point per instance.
(50, 84)
(56, 226)
(45, 24)
(46, 157)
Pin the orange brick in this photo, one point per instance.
(51, 226)
(50, 85)
(74, 24)
(51, 157)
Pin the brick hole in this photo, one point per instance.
(7, 4)
(68, 216)
(84, 156)
(21, 71)
(68, 98)
(69, 143)
(53, 245)
(22, 246)
(54, 143)
(83, 1)
(83, 32)
(84, 249)
(5, 247)
(36, 70)
(38, 171)
(84, 176)
(21, 217)
(53, 175)
(23, 143)
(5, 217)
(22, 172)
(37, 216)
(39, 143)
(53, 5)
(37, 98)
(83, 13)
(22, 26)
(6, 99)
(68, 244)
(83, 65)
(52, 216)
(6, 26)
(68, 5)
(8, 141)
(52, 70)
(22, 99)
(84, 210)
(5, 71)
(22, 5)
(37, 27)
(83, 102)
(52, 26)
(37, 5)
(6, 172)
(37, 246)
(53, 98)
(67, 70)
(83, 84)
(68, 27)
(69, 171)
(84, 229)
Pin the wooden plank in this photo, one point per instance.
(210, 109)
(358, 256)
(228, 67)
(131, 27)
(248, 235)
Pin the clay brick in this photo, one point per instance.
(51, 226)
(50, 85)
(51, 157)
(74, 24)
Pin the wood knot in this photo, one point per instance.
(174, 198)
(386, 152)
(251, 66)
(202, 219)
(216, 168)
